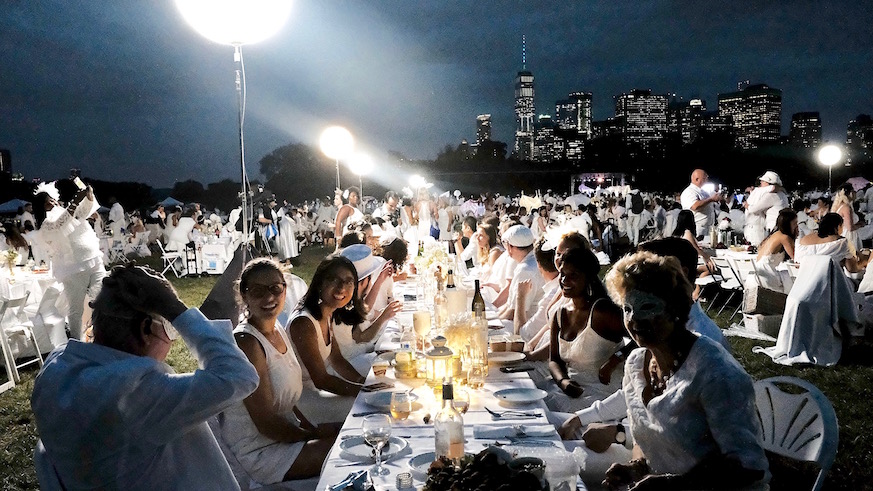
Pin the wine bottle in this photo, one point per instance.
(478, 304)
(450, 280)
(448, 428)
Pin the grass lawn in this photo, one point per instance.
(848, 387)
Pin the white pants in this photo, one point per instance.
(76, 286)
(633, 228)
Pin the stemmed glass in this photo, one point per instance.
(421, 322)
(377, 431)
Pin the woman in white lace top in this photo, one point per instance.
(691, 406)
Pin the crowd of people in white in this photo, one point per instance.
(633, 367)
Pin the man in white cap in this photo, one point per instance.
(763, 206)
(701, 202)
(525, 289)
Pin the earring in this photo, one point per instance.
(350, 306)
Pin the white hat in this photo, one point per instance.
(771, 177)
(362, 257)
(518, 236)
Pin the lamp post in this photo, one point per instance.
(829, 155)
(362, 165)
(337, 143)
(237, 22)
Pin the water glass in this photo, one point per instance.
(401, 405)
(377, 430)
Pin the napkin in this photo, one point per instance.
(356, 481)
(484, 432)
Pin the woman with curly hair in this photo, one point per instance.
(691, 406)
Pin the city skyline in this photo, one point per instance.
(127, 91)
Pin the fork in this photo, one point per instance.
(512, 414)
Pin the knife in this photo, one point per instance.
(367, 413)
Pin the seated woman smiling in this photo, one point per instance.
(691, 406)
(267, 433)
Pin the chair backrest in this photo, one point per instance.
(730, 279)
(801, 426)
(745, 269)
(49, 300)
(15, 306)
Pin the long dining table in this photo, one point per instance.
(528, 435)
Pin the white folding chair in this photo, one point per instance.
(730, 283)
(116, 251)
(47, 316)
(169, 259)
(13, 322)
(139, 244)
(801, 426)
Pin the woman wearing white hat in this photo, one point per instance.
(763, 206)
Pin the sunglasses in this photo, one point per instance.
(261, 291)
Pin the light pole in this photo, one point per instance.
(829, 155)
(362, 165)
(337, 143)
(237, 22)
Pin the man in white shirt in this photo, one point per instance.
(465, 247)
(390, 214)
(525, 288)
(635, 205)
(763, 206)
(546, 266)
(700, 202)
(26, 216)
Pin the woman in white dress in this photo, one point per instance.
(181, 233)
(774, 249)
(349, 214)
(843, 206)
(268, 434)
(827, 241)
(332, 300)
(691, 406)
(444, 219)
(585, 333)
(424, 214)
(288, 229)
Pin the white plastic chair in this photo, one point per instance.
(730, 282)
(16, 325)
(798, 426)
(47, 316)
(139, 244)
(169, 259)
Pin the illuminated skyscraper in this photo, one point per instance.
(483, 128)
(685, 118)
(524, 110)
(805, 130)
(859, 132)
(574, 113)
(547, 147)
(645, 116)
(756, 112)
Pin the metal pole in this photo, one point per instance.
(829, 177)
(337, 175)
(361, 187)
(240, 82)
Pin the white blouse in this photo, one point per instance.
(708, 406)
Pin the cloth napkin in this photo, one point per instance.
(356, 481)
(484, 432)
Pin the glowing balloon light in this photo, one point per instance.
(829, 155)
(235, 22)
(336, 142)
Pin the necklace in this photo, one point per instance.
(659, 383)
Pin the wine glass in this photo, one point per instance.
(377, 431)
(422, 324)
(461, 401)
(401, 405)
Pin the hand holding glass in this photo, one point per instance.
(377, 431)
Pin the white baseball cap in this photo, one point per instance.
(771, 177)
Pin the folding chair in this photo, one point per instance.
(169, 259)
(16, 325)
(730, 283)
(116, 252)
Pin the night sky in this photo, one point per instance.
(126, 90)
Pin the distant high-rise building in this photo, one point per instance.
(5, 161)
(483, 128)
(524, 108)
(684, 118)
(607, 127)
(805, 130)
(547, 147)
(859, 132)
(645, 116)
(574, 113)
(756, 112)
(524, 115)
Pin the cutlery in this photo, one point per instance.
(512, 414)
(367, 413)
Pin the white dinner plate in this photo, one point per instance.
(504, 357)
(382, 400)
(355, 449)
(490, 314)
(495, 324)
(519, 396)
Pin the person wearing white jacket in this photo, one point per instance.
(763, 206)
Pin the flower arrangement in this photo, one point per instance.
(10, 257)
(434, 255)
(724, 224)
